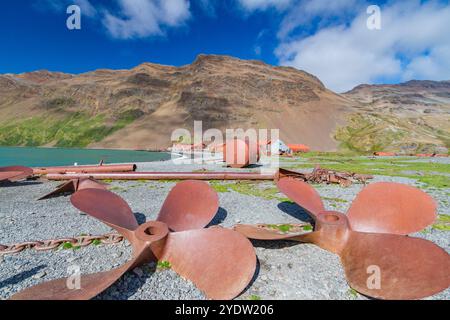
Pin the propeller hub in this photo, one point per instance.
(334, 230)
(152, 231)
(332, 217)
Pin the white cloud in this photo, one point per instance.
(208, 7)
(144, 18)
(304, 12)
(86, 7)
(253, 5)
(61, 5)
(414, 43)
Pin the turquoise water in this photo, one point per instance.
(40, 157)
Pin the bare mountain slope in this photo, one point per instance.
(139, 108)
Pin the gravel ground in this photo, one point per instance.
(285, 271)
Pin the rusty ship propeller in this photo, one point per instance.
(74, 185)
(15, 173)
(219, 261)
(378, 257)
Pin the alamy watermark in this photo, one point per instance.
(73, 282)
(374, 280)
(374, 19)
(73, 22)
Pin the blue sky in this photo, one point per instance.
(327, 38)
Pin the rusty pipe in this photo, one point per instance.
(276, 175)
(165, 176)
(85, 169)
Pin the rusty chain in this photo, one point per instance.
(45, 245)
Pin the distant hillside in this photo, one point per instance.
(139, 108)
(408, 117)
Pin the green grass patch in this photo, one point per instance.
(369, 132)
(334, 199)
(74, 130)
(117, 189)
(434, 174)
(442, 223)
(285, 228)
(68, 246)
(255, 189)
(219, 187)
(164, 265)
(352, 292)
(249, 188)
(254, 297)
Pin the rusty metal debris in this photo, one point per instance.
(372, 239)
(75, 185)
(220, 262)
(15, 173)
(345, 179)
(86, 169)
(46, 245)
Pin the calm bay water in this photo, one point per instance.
(35, 157)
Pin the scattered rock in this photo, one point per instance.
(40, 275)
(138, 272)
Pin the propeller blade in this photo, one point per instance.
(391, 208)
(220, 262)
(64, 188)
(108, 208)
(189, 205)
(91, 184)
(303, 194)
(408, 268)
(23, 172)
(75, 185)
(90, 285)
(270, 232)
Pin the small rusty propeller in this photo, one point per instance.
(371, 239)
(75, 185)
(220, 262)
(15, 173)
